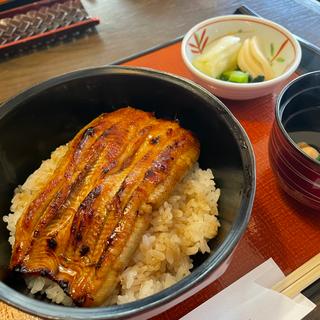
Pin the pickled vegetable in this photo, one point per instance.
(257, 79)
(235, 76)
(224, 57)
(220, 56)
(252, 60)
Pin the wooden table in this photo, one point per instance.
(128, 27)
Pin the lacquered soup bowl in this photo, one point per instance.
(297, 173)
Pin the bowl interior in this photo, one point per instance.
(35, 123)
(277, 46)
(299, 109)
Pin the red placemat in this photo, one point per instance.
(279, 227)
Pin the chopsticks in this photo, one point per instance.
(300, 279)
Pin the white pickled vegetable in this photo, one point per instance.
(252, 60)
(220, 56)
(247, 63)
(259, 56)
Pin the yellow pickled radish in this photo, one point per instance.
(259, 56)
(246, 61)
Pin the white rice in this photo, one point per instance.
(179, 229)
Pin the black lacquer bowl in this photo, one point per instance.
(38, 120)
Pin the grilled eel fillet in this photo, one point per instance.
(83, 227)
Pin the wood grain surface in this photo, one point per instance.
(129, 26)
